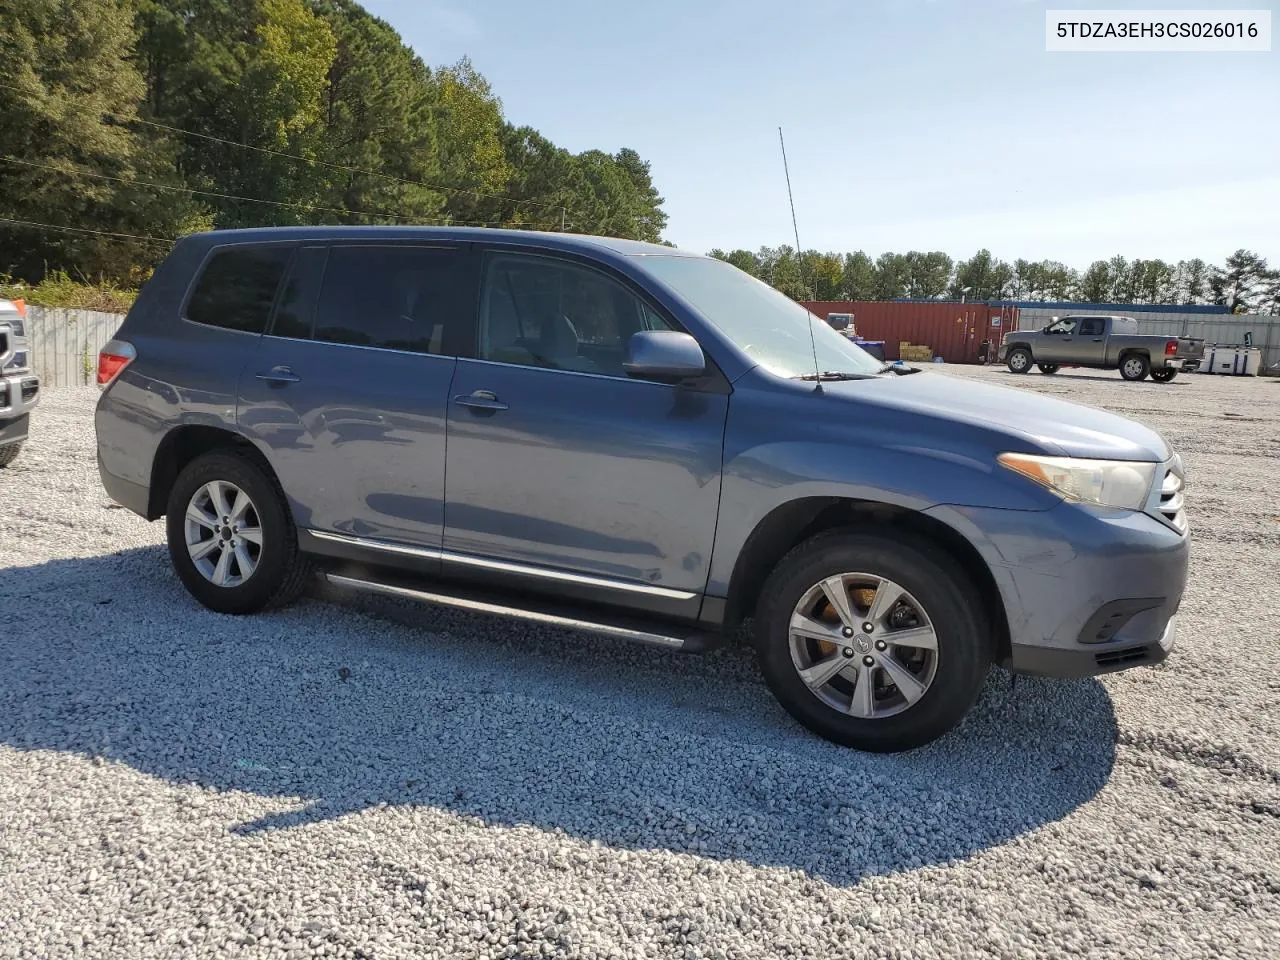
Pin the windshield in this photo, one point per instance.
(766, 325)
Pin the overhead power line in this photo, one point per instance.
(98, 233)
(312, 161)
(232, 196)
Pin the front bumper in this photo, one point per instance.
(1086, 591)
(19, 395)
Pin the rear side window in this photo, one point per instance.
(392, 297)
(1093, 327)
(237, 287)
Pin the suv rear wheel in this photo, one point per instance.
(231, 538)
(872, 642)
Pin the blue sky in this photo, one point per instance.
(915, 124)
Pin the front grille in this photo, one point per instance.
(1171, 501)
(1167, 503)
(1115, 658)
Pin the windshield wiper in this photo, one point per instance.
(835, 375)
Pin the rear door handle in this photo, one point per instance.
(280, 374)
(480, 400)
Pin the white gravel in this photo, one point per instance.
(378, 780)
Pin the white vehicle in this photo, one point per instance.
(19, 387)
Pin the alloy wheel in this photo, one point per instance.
(863, 645)
(223, 533)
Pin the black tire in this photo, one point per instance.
(1134, 366)
(281, 572)
(1049, 368)
(1018, 360)
(965, 645)
(9, 452)
(1164, 375)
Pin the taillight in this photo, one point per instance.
(112, 359)
(1171, 348)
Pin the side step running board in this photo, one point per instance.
(673, 636)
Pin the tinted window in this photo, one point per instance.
(1093, 327)
(394, 297)
(238, 286)
(298, 298)
(541, 312)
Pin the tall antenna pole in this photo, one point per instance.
(817, 374)
(791, 199)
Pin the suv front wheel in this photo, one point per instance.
(872, 642)
(231, 538)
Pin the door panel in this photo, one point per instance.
(357, 437)
(607, 477)
(347, 396)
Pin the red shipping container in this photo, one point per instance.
(953, 330)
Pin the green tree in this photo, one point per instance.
(1242, 282)
(928, 274)
(859, 282)
(891, 277)
(986, 277)
(1095, 283)
(824, 273)
(1191, 281)
(68, 92)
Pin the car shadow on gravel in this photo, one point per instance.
(326, 710)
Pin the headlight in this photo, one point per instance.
(1109, 483)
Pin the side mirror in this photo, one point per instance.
(664, 355)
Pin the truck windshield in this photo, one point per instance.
(768, 326)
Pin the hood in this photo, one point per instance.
(1042, 424)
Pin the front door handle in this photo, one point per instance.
(1097, 339)
(280, 374)
(480, 400)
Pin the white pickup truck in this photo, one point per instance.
(1103, 342)
(19, 387)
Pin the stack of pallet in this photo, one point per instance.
(909, 351)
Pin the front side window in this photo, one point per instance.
(1062, 327)
(237, 287)
(391, 297)
(541, 312)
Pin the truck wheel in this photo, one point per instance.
(231, 538)
(872, 642)
(1049, 368)
(1163, 376)
(9, 453)
(1019, 360)
(1134, 366)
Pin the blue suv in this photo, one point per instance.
(632, 440)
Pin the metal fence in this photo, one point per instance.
(1223, 328)
(65, 343)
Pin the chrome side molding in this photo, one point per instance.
(503, 566)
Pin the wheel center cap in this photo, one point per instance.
(863, 644)
(226, 533)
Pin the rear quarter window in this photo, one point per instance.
(237, 287)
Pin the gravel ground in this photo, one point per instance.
(355, 778)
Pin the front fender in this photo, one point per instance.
(911, 462)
